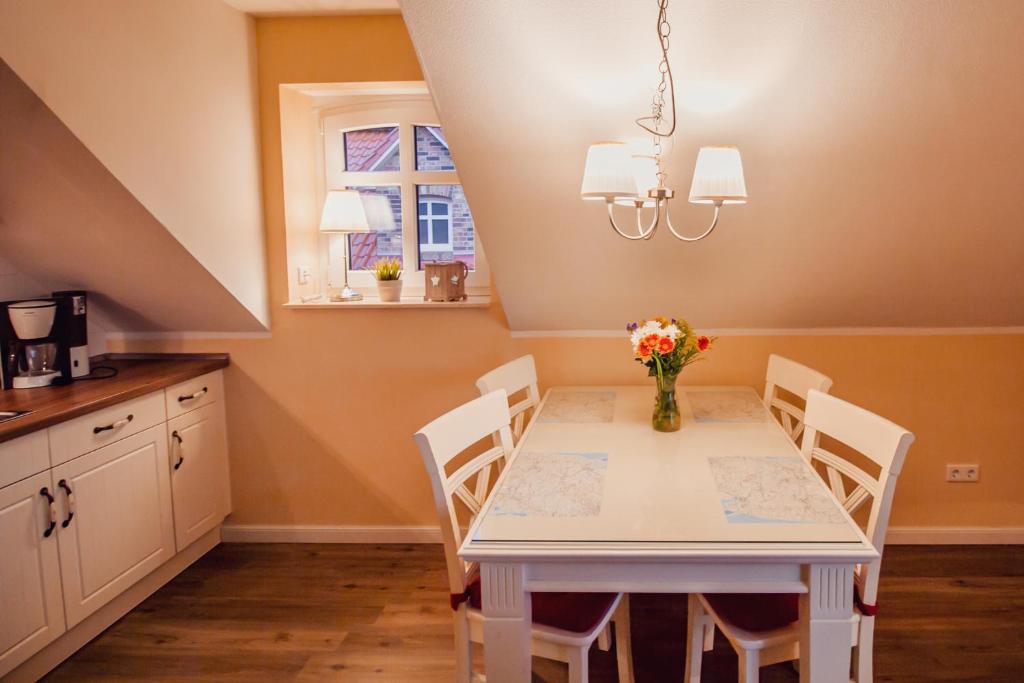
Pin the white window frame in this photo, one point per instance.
(430, 201)
(379, 111)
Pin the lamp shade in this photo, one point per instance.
(608, 173)
(645, 173)
(343, 212)
(718, 177)
(379, 214)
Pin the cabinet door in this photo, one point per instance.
(121, 527)
(31, 612)
(199, 472)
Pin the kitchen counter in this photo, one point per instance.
(137, 375)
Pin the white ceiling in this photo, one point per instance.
(882, 142)
(313, 7)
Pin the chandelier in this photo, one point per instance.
(622, 176)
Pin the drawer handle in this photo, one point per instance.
(63, 483)
(181, 456)
(53, 511)
(192, 397)
(113, 425)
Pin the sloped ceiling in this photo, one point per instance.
(882, 143)
(66, 221)
(163, 95)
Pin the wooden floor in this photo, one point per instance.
(380, 613)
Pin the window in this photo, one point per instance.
(390, 145)
(372, 149)
(445, 225)
(432, 150)
(386, 239)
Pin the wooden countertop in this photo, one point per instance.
(137, 375)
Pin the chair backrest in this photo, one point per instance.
(513, 377)
(879, 440)
(442, 441)
(796, 379)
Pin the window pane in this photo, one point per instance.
(446, 229)
(432, 150)
(365, 249)
(371, 149)
(440, 232)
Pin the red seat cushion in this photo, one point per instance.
(756, 611)
(576, 612)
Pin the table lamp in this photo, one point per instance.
(344, 214)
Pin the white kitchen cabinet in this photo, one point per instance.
(199, 472)
(31, 609)
(118, 501)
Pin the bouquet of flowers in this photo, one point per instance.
(665, 347)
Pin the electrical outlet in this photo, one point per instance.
(303, 275)
(963, 473)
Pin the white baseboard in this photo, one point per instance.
(955, 535)
(282, 533)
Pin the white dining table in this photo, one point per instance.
(594, 500)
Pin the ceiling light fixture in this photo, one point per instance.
(617, 175)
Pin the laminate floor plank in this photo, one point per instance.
(353, 613)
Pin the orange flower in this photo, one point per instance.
(643, 349)
(652, 340)
(665, 345)
(703, 343)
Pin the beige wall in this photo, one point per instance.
(163, 94)
(321, 414)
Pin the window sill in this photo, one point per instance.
(474, 301)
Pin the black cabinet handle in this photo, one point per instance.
(113, 425)
(192, 397)
(71, 502)
(53, 511)
(181, 457)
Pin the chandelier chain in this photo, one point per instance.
(653, 123)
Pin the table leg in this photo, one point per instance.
(507, 619)
(826, 623)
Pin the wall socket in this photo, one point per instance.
(303, 275)
(963, 473)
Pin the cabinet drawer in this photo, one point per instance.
(194, 393)
(23, 457)
(87, 433)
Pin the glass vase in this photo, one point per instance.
(666, 410)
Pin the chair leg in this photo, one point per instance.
(695, 630)
(750, 665)
(604, 639)
(862, 653)
(623, 641)
(709, 635)
(579, 663)
(463, 648)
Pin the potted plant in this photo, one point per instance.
(388, 272)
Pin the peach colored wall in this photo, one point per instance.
(321, 413)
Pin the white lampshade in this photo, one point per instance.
(718, 177)
(343, 212)
(379, 215)
(645, 173)
(609, 172)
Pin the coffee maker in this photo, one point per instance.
(43, 341)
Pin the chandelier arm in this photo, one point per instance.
(684, 238)
(643, 235)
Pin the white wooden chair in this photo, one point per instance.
(796, 379)
(764, 629)
(514, 377)
(565, 625)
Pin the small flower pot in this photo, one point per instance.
(389, 290)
